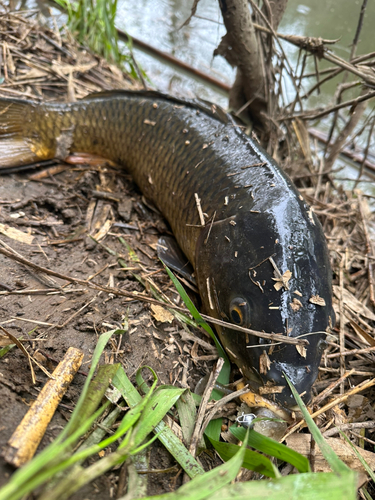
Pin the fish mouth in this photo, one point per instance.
(265, 373)
(302, 378)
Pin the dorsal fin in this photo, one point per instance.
(210, 109)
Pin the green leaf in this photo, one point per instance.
(167, 436)
(309, 486)
(335, 463)
(202, 486)
(252, 460)
(214, 427)
(273, 448)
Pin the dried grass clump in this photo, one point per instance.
(38, 60)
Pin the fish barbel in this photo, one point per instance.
(260, 256)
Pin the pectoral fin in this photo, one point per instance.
(171, 254)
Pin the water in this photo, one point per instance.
(158, 23)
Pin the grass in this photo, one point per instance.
(92, 23)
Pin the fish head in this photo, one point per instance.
(256, 274)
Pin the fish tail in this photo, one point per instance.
(14, 147)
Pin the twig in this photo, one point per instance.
(311, 116)
(348, 427)
(328, 390)
(26, 438)
(199, 208)
(203, 405)
(358, 30)
(350, 352)
(366, 384)
(342, 324)
(368, 250)
(219, 404)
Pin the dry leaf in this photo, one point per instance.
(264, 363)
(310, 214)
(33, 73)
(363, 335)
(282, 281)
(16, 234)
(319, 301)
(104, 230)
(66, 69)
(296, 305)
(302, 444)
(301, 350)
(352, 303)
(161, 314)
(272, 389)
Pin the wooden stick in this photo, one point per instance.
(26, 438)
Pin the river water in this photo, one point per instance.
(158, 22)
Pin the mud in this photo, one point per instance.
(60, 314)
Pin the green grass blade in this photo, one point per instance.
(309, 486)
(359, 456)
(156, 408)
(102, 342)
(252, 460)
(273, 448)
(202, 486)
(95, 394)
(187, 412)
(167, 437)
(37, 470)
(335, 463)
(214, 427)
(195, 313)
(127, 389)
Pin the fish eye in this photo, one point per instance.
(239, 311)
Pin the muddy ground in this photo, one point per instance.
(60, 314)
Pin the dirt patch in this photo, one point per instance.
(54, 314)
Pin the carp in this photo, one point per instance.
(258, 251)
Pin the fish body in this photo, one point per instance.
(260, 259)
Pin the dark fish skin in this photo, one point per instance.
(175, 148)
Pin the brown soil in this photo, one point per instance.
(60, 210)
(58, 314)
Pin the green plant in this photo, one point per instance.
(92, 22)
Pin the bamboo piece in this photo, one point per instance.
(25, 440)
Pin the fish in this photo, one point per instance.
(258, 251)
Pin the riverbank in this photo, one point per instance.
(48, 217)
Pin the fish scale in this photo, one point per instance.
(261, 259)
